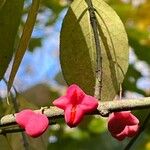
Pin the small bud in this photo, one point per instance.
(123, 124)
(34, 123)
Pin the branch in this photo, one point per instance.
(104, 109)
(16, 129)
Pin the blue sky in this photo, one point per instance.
(43, 64)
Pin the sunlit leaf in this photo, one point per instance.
(77, 48)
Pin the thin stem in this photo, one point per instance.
(8, 142)
(120, 91)
(98, 71)
(14, 88)
(44, 144)
(16, 107)
(143, 127)
(25, 141)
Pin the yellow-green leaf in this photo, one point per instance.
(78, 53)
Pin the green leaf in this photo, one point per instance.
(34, 43)
(2, 2)
(77, 48)
(97, 125)
(136, 41)
(54, 5)
(131, 78)
(10, 15)
(24, 41)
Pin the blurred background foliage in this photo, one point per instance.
(39, 79)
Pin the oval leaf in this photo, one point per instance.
(78, 52)
(10, 15)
